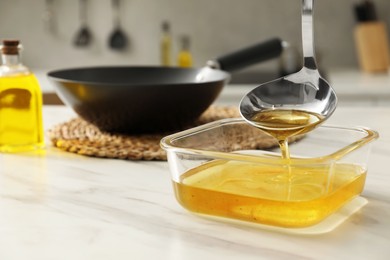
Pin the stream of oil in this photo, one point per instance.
(283, 124)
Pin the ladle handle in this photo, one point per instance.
(309, 60)
(248, 56)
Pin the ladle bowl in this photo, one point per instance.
(303, 91)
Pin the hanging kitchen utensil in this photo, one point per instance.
(118, 39)
(84, 36)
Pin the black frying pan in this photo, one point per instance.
(151, 99)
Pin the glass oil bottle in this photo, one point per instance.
(21, 127)
(166, 44)
(184, 58)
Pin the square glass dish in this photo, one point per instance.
(230, 169)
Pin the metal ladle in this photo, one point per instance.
(304, 90)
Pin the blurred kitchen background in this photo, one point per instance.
(47, 29)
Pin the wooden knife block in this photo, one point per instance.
(372, 46)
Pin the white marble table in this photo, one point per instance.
(59, 205)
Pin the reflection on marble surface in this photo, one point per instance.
(58, 205)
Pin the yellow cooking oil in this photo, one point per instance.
(184, 58)
(301, 196)
(284, 123)
(166, 45)
(21, 127)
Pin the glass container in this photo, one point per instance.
(219, 170)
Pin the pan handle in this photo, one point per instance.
(248, 56)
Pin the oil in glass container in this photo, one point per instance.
(21, 127)
(260, 193)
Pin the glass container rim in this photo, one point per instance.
(167, 144)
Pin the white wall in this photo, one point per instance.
(215, 26)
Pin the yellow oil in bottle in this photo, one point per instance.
(166, 45)
(184, 58)
(20, 114)
(263, 194)
(21, 127)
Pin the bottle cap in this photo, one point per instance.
(166, 27)
(10, 47)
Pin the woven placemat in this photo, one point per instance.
(80, 137)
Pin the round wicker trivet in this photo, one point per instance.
(80, 137)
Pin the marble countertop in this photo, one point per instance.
(59, 205)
